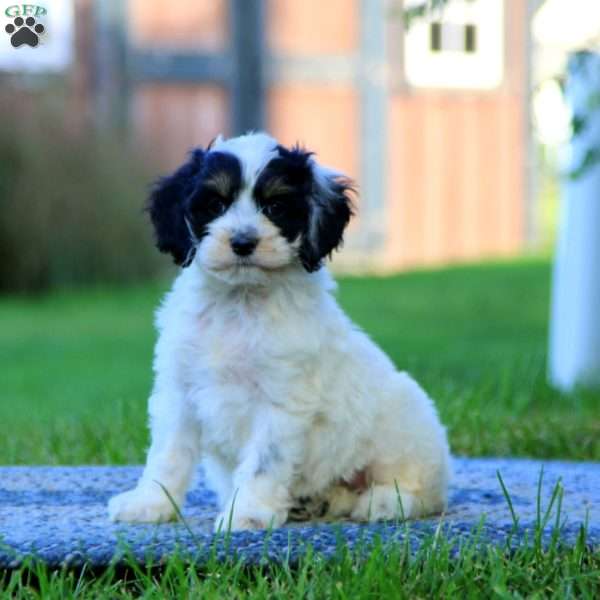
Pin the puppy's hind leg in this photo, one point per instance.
(341, 501)
(399, 491)
(387, 501)
(411, 467)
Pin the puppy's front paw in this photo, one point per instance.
(243, 520)
(141, 505)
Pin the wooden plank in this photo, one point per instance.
(180, 26)
(313, 27)
(170, 119)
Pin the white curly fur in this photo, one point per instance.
(261, 375)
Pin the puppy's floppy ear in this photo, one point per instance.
(166, 206)
(330, 211)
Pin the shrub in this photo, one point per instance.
(70, 204)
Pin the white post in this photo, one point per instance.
(575, 319)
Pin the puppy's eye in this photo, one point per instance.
(215, 205)
(274, 208)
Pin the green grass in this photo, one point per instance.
(76, 366)
(76, 374)
(433, 571)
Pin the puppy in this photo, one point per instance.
(258, 372)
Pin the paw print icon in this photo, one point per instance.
(24, 31)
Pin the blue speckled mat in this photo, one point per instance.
(58, 514)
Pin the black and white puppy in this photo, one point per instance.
(258, 372)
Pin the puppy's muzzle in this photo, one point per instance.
(244, 243)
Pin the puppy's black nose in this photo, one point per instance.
(243, 244)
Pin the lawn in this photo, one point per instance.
(76, 375)
(76, 365)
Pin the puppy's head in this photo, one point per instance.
(246, 207)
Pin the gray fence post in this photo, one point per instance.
(248, 58)
(111, 76)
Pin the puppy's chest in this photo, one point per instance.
(246, 342)
(234, 345)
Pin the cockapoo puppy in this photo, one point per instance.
(258, 372)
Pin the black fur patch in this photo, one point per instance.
(299, 205)
(218, 185)
(332, 211)
(199, 191)
(166, 208)
(282, 192)
(306, 509)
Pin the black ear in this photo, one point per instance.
(166, 206)
(331, 210)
